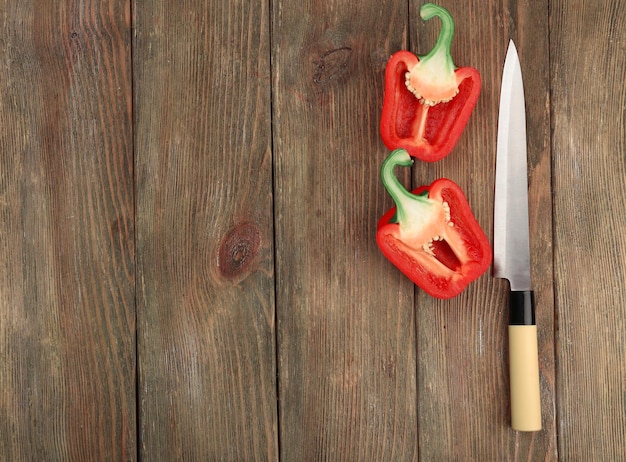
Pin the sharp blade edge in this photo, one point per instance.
(511, 234)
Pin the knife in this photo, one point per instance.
(511, 244)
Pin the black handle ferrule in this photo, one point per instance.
(522, 308)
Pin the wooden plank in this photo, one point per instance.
(67, 320)
(463, 383)
(588, 43)
(207, 386)
(345, 317)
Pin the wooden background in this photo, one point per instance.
(188, 199)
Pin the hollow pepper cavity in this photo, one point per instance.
(428, 100)
(431, 235)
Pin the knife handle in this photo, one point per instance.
(524, 364)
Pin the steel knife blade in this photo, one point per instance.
(512, 246)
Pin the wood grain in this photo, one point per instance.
(463, 376)
(345, 320)
(207, 386)
(199, 200)
(67, 319)
(588, 45)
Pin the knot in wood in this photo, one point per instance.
(331, 64)
(238, 249)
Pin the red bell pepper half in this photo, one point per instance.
(428, 100)
(431, 235)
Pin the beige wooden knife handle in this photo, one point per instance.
(524, 373)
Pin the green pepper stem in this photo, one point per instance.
(441, 49)
(407, 203)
